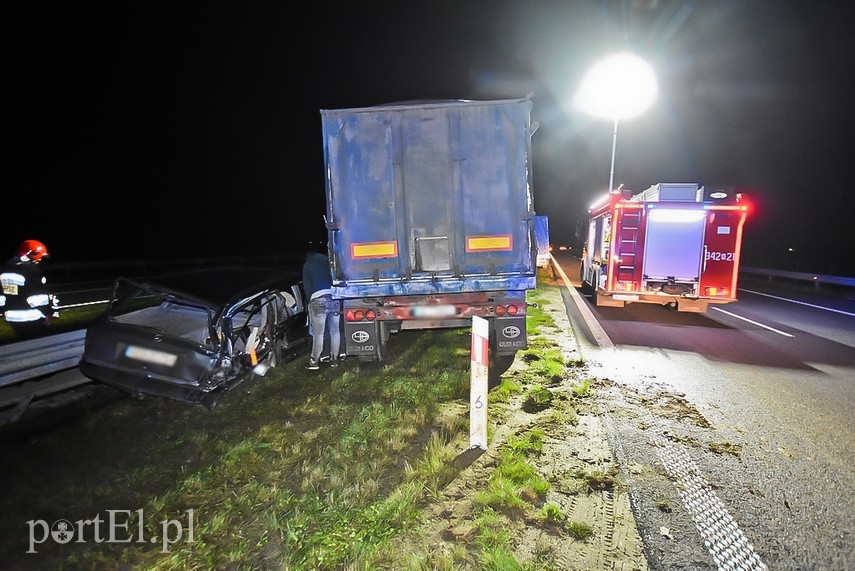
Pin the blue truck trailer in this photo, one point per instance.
(541, 236)
(430, 218)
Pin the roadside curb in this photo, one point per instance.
(599, 334)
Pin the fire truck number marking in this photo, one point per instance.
(720, 256)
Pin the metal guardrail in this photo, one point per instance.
(37, 368)
(816, 279)
(82, 273)
(25, 360)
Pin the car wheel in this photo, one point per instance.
(276, 357)
(270, 338)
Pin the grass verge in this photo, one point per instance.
(321, 470)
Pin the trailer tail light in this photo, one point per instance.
(716, 291)
(502, 310)
(360, 315)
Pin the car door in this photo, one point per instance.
(293, 322)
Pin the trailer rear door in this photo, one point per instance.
(433, 191)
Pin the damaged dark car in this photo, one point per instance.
(192, 336)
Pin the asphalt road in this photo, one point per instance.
(773, 375)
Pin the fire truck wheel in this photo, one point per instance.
(587, 286)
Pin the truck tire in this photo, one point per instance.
(586, 285)
(383, 334)
(499, 364)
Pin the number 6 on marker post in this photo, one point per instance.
(478, 383)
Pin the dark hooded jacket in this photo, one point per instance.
(317, 278)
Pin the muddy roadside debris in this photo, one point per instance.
(585, 519)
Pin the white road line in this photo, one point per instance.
(600, 335)
(779, 332)
(799, 302)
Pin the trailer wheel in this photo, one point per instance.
(382, 340)
(499, 364)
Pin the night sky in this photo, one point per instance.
(159, 130)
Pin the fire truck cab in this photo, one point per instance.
(675, 244)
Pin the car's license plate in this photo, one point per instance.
(150, 355)
(10, 289)
(434, 311)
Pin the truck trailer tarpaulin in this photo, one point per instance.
(428, 197)
(431, 219)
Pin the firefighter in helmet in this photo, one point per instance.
(25, 302)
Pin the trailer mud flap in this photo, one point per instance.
(362, 339)
(509, 334)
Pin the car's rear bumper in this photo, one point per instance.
(136, 385)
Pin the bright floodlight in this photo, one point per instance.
(619, 87)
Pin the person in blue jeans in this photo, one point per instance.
(324, 311)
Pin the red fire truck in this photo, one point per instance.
(675, 244)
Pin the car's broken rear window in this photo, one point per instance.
(175, 320)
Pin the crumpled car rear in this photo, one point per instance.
(166, 342)
(136, 353)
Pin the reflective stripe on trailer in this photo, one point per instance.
(496, 243)
(362, 250)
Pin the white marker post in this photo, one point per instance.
(480, 360)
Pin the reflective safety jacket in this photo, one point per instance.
(25, 295)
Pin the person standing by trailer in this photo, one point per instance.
(26, 303)
(324, 311)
